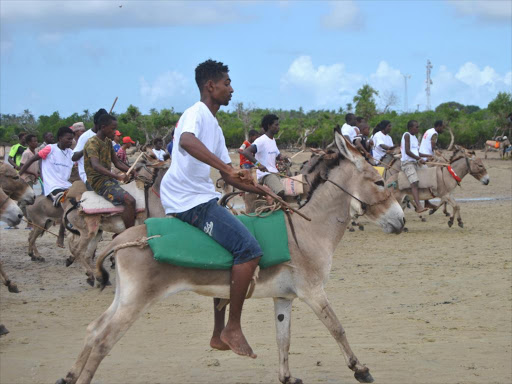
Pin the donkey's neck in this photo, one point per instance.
(460, 167)
(329, 210)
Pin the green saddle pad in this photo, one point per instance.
(187, 246)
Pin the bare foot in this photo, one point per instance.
(235, 339)
(60, 244)
(421, 210)
(217, 343)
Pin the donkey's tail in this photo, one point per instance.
(101, 274)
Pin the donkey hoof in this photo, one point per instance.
(364, 376)
(461, 224)
(423, 220)
(406, 229)
(361, 227)
(69, 261)
(450, 223)
(3, 330)
(61, 381)
(13, 288)
(446, 214)
(351, 230)
(431, 212)
(90, 282)
(292, 380)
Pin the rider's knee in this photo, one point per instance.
(129, 200)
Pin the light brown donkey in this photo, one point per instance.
(140, 280)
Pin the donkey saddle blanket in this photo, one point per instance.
(182, 244)
(93, 204)
(427, 176)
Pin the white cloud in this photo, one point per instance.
(165, 90)
(469, 85)
(343, 15)
(71, 16)
(485, 10)
(326, 86)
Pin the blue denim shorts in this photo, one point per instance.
(225, 229)
(247, 166)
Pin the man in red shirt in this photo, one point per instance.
(245, 163)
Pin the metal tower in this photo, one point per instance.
(429, 83)
(406, 106)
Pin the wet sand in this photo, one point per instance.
(433, 305)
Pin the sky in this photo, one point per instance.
(68, 56)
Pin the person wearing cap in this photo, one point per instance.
(78, 129)
(78, 151)
(116, 141)
(121, 154)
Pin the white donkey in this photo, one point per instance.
(346, 180)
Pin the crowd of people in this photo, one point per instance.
(187, 192)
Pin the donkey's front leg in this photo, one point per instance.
(283, 311)
(320, 305)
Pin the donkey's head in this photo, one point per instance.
(9, 210)
(15, 187)
(474, 164)
(369, 196)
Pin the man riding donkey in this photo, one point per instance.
(411, 156)
(263, 153)
(99, 155)
(31, 175)
(56, 166)
(189, 194)
(429, 145)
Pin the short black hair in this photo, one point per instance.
(46, 134)
(157, 139)
(253, 132)
(105, 120)
(63, 130)
(210, 70)
(98, 114)
(359, 119)
(29, 137)
(21, 135)
(438, 123)
(349, 116)
(410, 123)
(268, 120)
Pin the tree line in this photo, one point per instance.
(470, 125)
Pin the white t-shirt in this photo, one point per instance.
(414, 147)
(159, 153)
(266, 153)
(378, 139)
(82, 140)
(187, 183)
(426, 142)
(55, 168)
(350, 131)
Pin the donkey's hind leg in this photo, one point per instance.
(283, 311)
(320, 305)
(92, 331)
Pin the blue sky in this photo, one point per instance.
(68, 56)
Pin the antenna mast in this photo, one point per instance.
(429, 82)
(406, 106)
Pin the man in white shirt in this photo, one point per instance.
(349, 129)
(188, 193)
(159, 150)
(382, 141)
(264, 153)
(56, 165)
(429, 141)
(78, 151)
(411, 156)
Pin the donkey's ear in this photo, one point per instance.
(345, 148)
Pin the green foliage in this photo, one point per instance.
(471, 125)
(365, 102)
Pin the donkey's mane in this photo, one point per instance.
(317, 169)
